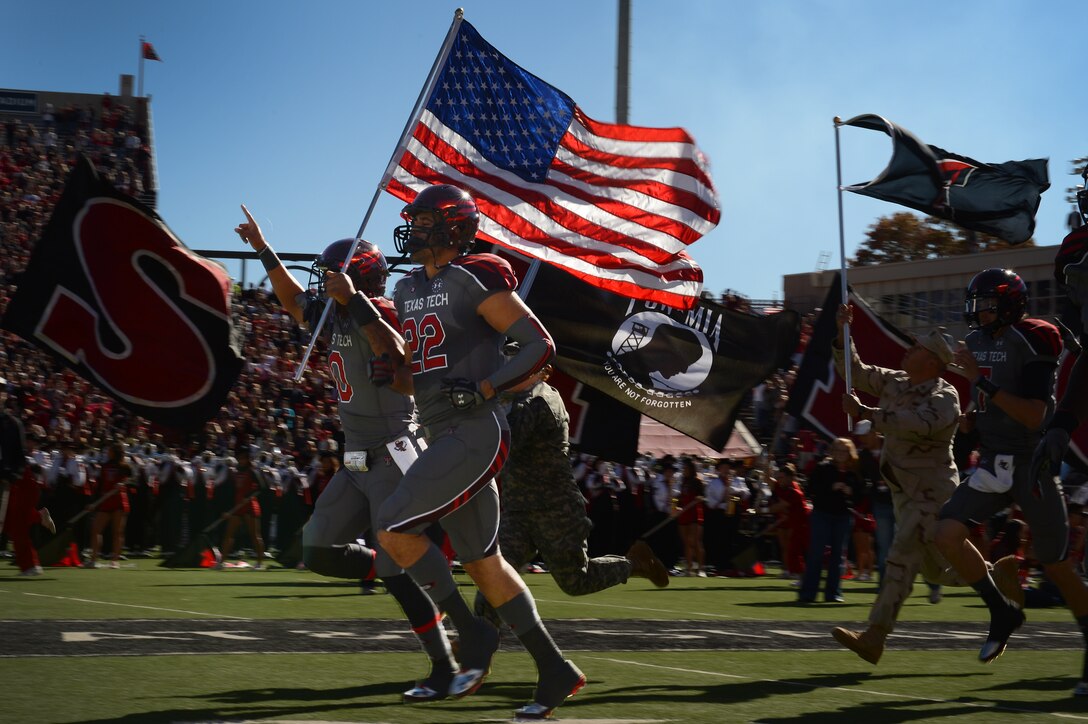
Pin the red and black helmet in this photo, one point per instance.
(1000, 291)
(367, 270)
(456, 220)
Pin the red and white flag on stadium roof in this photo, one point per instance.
(148, 51)
(614, 205)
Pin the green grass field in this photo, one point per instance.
(809, 681)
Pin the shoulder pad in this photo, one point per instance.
(387, 310)
(491, 272)
(1042, 337)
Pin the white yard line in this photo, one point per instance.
(133, 605)
(684, 612)
(854, 690)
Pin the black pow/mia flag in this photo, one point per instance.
(998, 199)
(688, 369)
(111, 293)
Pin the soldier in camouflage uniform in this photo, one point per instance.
(543, 509)
(1012, 360)
(918, 413)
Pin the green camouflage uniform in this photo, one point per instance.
(918, 423)
(542, 507)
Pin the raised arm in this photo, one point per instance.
(284, 285)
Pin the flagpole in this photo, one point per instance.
(413, 119)
(140, 87)
(845, 294)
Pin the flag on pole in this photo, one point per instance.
(149, 52)
(111, 293)
(997, 199)
(690, 370)
(816, 395)
(615, 205)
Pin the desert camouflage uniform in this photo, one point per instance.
(918, 423)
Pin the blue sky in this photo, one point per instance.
(294, 108)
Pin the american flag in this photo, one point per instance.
(614, 205)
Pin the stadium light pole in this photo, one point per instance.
(623, 60)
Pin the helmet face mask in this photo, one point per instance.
(999, 291)
(367, 270)
(440, 217)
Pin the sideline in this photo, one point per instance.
(685, 612)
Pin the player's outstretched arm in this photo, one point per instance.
(284, 285)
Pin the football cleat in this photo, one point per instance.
(553, 691)
(1002, 626)
(434, 687)
(475, 655)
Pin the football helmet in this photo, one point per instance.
(456, 221)
(367, 270)
(1000, 291)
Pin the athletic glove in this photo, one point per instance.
(464, 394)
(381, 370)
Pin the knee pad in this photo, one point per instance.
(351, 561)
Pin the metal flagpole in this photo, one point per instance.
(845, 293)
(413, 119)
(140, 87)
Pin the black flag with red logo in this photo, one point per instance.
(816, 395)
(996, 199)
(689, 369)
(111, 293)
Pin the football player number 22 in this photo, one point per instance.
(424, 338)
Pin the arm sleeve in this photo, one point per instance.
(536, 350)
(864, 377)
(939, 412)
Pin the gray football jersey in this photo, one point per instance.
(1003, 361)
(447, 337)
(371, 416)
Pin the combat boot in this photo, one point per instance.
(644, 564)
(868, 644)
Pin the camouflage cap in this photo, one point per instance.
(939, 344)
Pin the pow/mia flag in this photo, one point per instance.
(689, 369)
(111, 293)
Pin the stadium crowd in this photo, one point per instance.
(707, 517)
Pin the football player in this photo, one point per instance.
(456, 310)
(1071, 272)
(378, 426)
(1012, 360)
